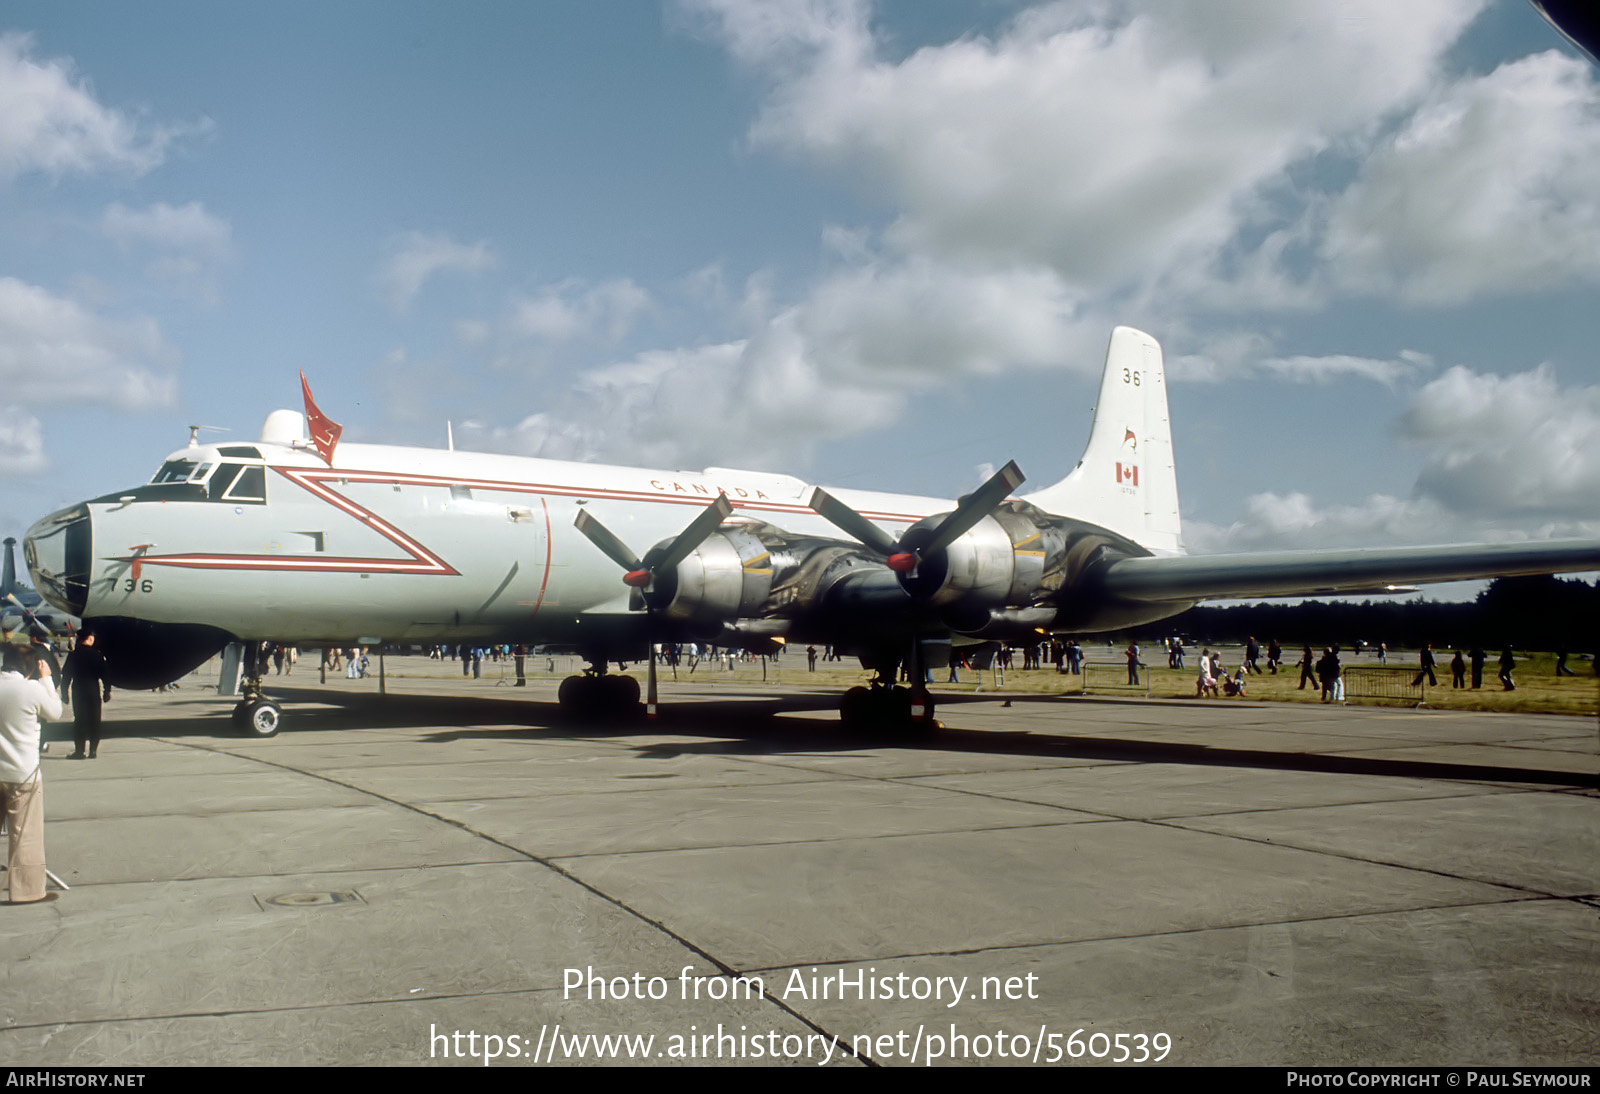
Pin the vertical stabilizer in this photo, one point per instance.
(1126, 480)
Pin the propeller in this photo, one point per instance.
(638, 573)
(903, 556)
(28, 616)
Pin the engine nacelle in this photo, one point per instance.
(1013, 558)
(728, 577)
(751, 579)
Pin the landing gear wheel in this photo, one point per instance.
(882, 709)
(855, 709)
(260, 718)
(599, 696)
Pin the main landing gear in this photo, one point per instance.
(597, 693)
(882, 706)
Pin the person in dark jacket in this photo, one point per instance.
(83, 679)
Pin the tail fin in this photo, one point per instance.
(1126, 480)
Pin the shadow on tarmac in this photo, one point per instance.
(750, 726)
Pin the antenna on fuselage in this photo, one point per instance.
(449, 436)
(194, 433)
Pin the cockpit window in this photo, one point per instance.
(239, 483)
(174, 471)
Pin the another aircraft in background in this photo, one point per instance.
(23, 609)
(298, 539)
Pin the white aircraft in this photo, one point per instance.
(299, 539)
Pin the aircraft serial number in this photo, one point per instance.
(144, 586)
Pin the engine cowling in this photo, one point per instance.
(1012, 558)
(751, 578)
(727, 577)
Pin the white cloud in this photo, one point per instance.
(1109, 141)
(21, 442)
(572, 311)
(1492, 187)
(750, 403)
(1518, 444)
(416, 256)
(1498, 451)
(1290, 521)
(188, 228)
(190, 244)
(1293, 521)
(53, 350)
(1245, 354)
(51, 122)
(840, 362)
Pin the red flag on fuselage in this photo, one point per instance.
(324, 430)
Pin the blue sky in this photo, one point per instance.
(875, 245)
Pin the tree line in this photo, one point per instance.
(1529, 613)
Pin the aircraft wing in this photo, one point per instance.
(1156, 579)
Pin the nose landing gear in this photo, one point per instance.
(256, 715)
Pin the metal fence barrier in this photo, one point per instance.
(1113, 678)
(1380, 683)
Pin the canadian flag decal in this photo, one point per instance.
(1129, 474)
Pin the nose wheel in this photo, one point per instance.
(257, 718)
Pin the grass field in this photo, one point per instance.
(1539, 690)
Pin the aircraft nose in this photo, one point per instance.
(59, 551)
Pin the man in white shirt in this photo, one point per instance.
(25, 697)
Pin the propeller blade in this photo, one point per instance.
(850, 522)
(694, 535)
(974, 507)
(602, 537)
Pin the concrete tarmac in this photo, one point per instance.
(454, 872)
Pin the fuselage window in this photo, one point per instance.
(240, 484)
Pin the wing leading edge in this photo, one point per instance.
(1305, 573)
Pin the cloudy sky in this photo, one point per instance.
(877, 245)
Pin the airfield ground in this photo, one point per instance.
(448, 871)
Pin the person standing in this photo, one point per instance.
(1427, 663)
(1308, 665)
(1458, 671)
(1478, 658)
(1132, 654)
(83, 680)
(1506, 663)
(25, 697)
(1205, 683)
